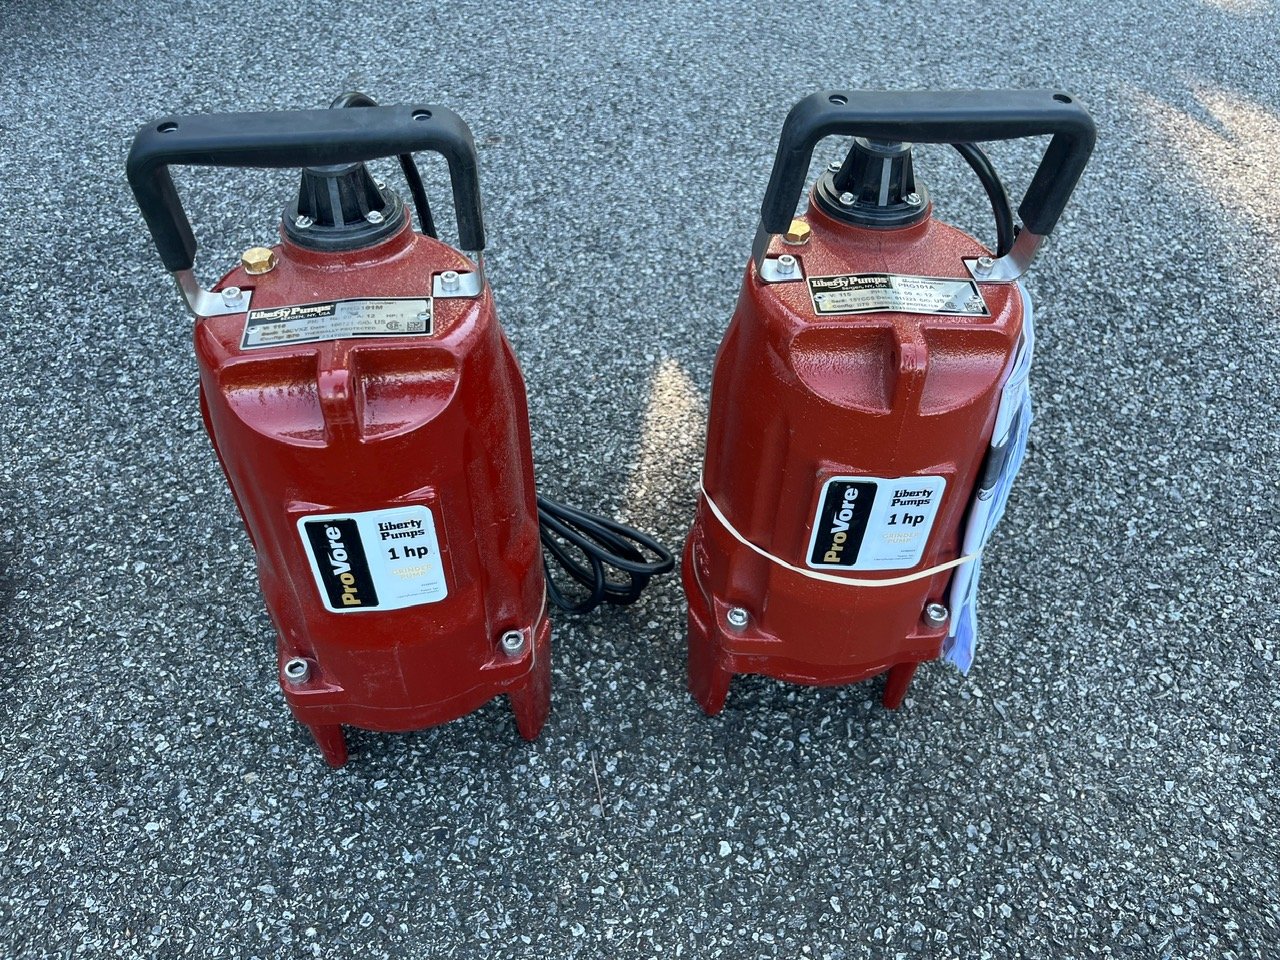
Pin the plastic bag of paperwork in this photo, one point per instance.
(1004, 458)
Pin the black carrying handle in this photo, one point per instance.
(946, 116)
(294, 138)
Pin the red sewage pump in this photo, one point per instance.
(869, 406)
(371, 420)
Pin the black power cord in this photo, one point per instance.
(981, 164)
(598, 542)
(602, 543)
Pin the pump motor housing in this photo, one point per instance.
(855, 396)
(371, 421)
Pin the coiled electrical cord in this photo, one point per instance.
(584, 544)
(981, 164)
(602, 543)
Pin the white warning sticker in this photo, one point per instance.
(896, 293)
(873, 523)
(374, 560)
(337, 320)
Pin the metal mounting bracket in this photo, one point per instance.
(1012, 265)
(206, 303)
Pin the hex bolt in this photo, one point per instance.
(373, 216)
(848, 199)
(797, 233)
(258, 260)
(737, 617)
(936, 614)
(786, 264)
(303, 221)
(913, 199)
(450, 281)
(512, 643)
(296, 670)
(231, 295)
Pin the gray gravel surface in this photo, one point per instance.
(1103, 784)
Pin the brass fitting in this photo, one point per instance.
(258, 260)
(797, 233)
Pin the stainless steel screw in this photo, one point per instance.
(985, 264)
(935, 614)
(450, 281)
(373, 216)
(833, 166)
(232, 295)
(847, 199)
(786, 264)
(512, 643)
(913, 199)
(296, 670)
(737, 617)
(303, 221)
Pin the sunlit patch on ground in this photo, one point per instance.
(1231, 153)
(670, 449)
(1243, 7)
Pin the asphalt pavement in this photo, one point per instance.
(1104, 783)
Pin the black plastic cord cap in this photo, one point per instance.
(874, 187)
(341, 207)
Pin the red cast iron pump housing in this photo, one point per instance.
(856, 391)
(371, 420)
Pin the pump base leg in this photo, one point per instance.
(532, 702)
(329, 738)
(896, 688)
(708, 677)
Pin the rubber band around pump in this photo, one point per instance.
(829, 577)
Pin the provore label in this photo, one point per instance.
(375, 560)
(872, 523)
(337, 320)
(895, 293)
